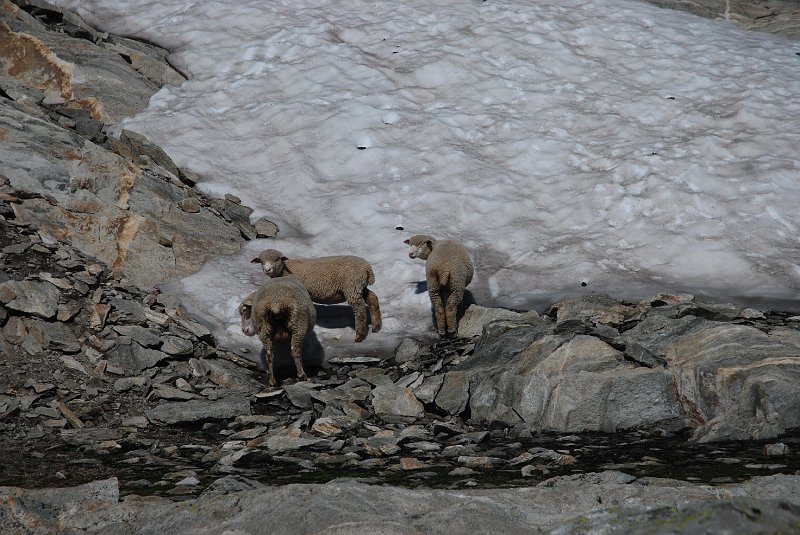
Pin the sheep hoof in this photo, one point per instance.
(360, 337)
(302, 378)
(376, 328)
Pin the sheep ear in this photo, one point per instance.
(408, 242)
(429, 243)
(284, 259)
(256, 260)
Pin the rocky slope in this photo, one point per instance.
(105, 379)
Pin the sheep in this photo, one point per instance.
(448, 270)
(281, 309)
(330, 280)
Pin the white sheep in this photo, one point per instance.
(448, 271)
(281, 309)
(331, 280)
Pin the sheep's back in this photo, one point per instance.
(330, 279)
(283, 294)
(449, 259)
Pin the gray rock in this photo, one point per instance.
(476, 317)
(163, 391)
(407, 350)
(427, 391)
(173, 345)
(30, 297)
(382, 446)
(737, 382)
(231, 484)
(139, 144)
(594, 309)
(299, 395)
(198, 410)
(136, 358)
(141, 335)
(453, 395)
(55, 336)
(393, 402)
(265, 228)
(285, 442)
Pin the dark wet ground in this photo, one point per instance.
(151, 466)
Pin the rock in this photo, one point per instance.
(138, 144)
(198, 410)
(141, 335)
(231, 484)
(453, 395)
(283, 442)
(476, 317)
(168, 392)
(299, 395)
(136, 358)
(737, 382)
(407, 350)
(173, 345)
(54, 336)
(594, 309)
(427, 391)
(391, 402)
(771, 450)
(265, 228)
(30, 297)
(379, 446)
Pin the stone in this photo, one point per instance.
(382, 446)
(265, 228)
(427, 391)
(52, 335)
(31, 297)
(407, 351)
(169, 392)
(137, 358)
(141, 335)
(198, 410)
(453, 395)
(173, 345)
(779, 448)
(390, 401)
(299, 395)
(476, 317)
(594, 309)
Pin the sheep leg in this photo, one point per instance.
(374, 309)
(359, 307)
(453, 301)
(297, 355)
(266, 339)
(435, 294)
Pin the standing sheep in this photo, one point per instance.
(448, 270)
(330, 280)
(278, 310)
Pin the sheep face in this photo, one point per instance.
(272, 262)
(246, 315)
(421, 246)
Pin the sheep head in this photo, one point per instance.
(421, 246)
(272, 262)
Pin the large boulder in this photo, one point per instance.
(667, 368)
